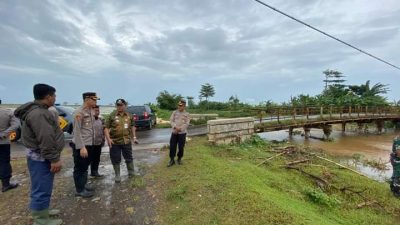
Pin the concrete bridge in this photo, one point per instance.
(289, 118)
(323, 117)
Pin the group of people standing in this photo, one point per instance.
(44, 141)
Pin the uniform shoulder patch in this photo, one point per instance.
(78, 116)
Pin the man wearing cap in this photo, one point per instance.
(8, 124)
(395, 161)
(44, 141)
(120, 132)
(179, 120)
(83, 142)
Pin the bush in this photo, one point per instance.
(319, 197)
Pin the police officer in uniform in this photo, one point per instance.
(8, 124)
(179, 120)
(83, 143)
(98, 143)
(120, 132)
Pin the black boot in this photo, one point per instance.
(171, 163)
(180, 161)
(7, 185)
(96, 174)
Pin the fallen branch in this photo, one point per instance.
(297, 162)
(366, 202)
(272, 158)
(317, 178)
(344, 167)
(359, 206)
(290, 147)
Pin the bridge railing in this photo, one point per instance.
(308, 113)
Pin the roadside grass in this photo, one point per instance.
(163, 125)
(224, 185)
(164, 114)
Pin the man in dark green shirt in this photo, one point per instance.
(120, 132)
(395, 161)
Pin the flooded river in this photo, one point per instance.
(370, 146)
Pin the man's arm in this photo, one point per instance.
(14, 124)
(107, 126)
(172, 120)
(107, 135)
(78, 141)
(187, 122)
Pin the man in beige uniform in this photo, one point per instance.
(179, 122)
(8, 124)
(95, 154)
(83, 142)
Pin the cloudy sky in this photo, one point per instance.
(135, 49)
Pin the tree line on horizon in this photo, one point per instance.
(335, 93)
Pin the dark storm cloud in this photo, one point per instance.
(234, 44)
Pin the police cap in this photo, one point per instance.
(91, 95)
(182, 102)
(120, 101)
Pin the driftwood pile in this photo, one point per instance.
(301, 158)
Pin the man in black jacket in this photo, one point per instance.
(44, 142)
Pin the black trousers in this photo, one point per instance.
(81, 166)
(5, 166)
(115, 153)
(177, 140)
(94, 155)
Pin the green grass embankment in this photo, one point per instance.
(224, 185)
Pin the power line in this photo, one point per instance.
(324, 33)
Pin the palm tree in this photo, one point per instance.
(365, 90)
(207, 90)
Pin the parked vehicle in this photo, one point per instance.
(63, 111)
(143, 116)
(67, 113)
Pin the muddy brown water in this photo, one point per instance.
(345, 145)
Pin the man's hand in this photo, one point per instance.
(83, 152)
(175, 130)
(110, 142)
(135, 140)
(55, 167)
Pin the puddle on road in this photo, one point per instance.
(142, 159)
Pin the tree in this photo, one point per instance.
(206, 91)
(190, 101)
(303, 100)
(168, 101)
(364, 90)
(333, 77)
(234, 101)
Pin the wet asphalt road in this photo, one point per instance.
(148, 139)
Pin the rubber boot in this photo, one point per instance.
(54, 212)
(42, 218)
(117, 170)
(131, 170)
